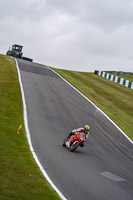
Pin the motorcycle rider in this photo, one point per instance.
(80, 130)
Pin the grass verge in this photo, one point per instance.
(114, 99)
(20, 177)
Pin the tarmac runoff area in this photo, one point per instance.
(103, 169)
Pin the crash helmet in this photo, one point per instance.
(86, 128)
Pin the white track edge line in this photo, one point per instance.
(94, 106)
(29, 138)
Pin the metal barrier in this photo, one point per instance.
(116, 79)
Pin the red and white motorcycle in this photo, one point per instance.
(74, 141)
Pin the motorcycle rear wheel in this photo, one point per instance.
(64, 143)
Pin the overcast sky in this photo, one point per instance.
(81, 35)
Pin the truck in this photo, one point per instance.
(16, 51)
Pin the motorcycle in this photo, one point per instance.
(74, 141)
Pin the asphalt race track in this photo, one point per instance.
(103, 169)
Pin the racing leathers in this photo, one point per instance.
(77, 131)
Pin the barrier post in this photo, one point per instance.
(19, 129)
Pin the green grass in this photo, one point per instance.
(127, 77)
(114, 99)
(20, 177)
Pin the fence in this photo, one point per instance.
(115, 79)
(119, 72)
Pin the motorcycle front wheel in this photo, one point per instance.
(74, 146)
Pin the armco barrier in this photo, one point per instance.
(116, 79)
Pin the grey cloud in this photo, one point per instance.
(78, 34)
(104, 13)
